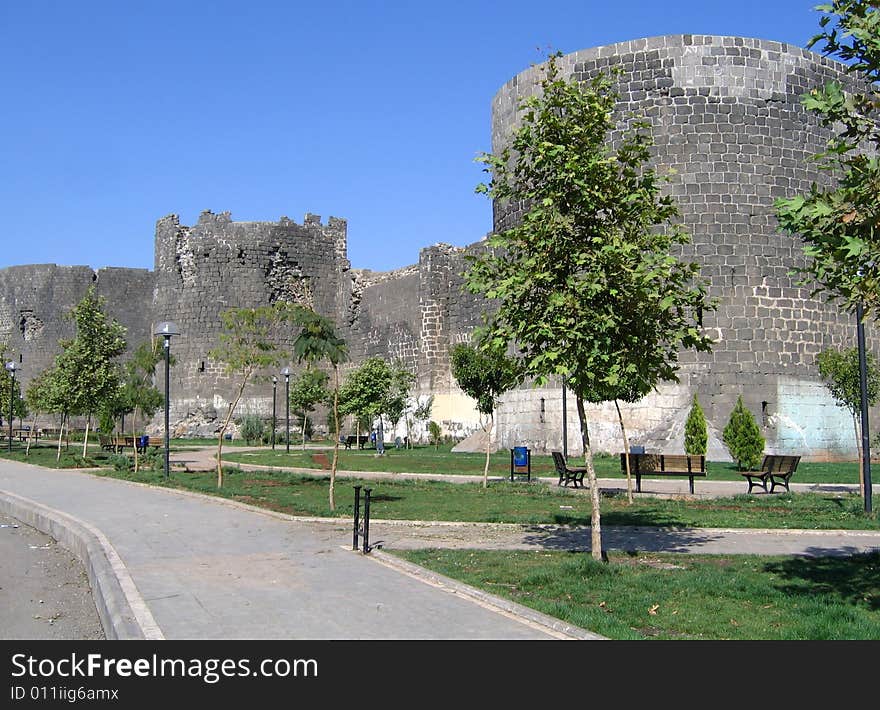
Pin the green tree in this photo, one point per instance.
(86, 369)
(397, 398)
(743, 438)
(47, 392)
(435, 433)
(316, 342)
(839, 370)
(585, 285)
(484, 375)
(249, 344)
(38, 398)
(838, 224)
(696, 434)
(139, 395)
(307, 390)
(367, 389)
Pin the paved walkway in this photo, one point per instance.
(169, 564)
(176, 565)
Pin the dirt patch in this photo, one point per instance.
(647, 562)
(267, 482)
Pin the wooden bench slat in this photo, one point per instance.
(567, 474)
(777, 469)
(664, 465)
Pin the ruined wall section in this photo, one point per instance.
(726, 115)
(384, 321)
(218, 264)
(35, 300)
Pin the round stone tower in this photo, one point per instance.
(730, 129)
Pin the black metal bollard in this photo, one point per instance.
(357, 513)
(367, 520)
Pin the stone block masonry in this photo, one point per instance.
(729, 128)
(35, 301)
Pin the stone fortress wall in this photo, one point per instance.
(726, 114)
(35, 301)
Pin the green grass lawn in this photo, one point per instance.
(633, 596)
(45, 454)
(674, 596)
(505, 502)
(429, 460)
(519, 502)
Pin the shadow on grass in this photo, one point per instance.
(577, 539)
(846, 573)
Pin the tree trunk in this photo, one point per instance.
(629, 485)
(60, 436)
(86, 437)
(488, 430)
(225, 426)
(336, 443)
(31, 433)
(305, 420)
(857, 428)
(595, 517)
(134, 436)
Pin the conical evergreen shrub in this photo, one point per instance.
(743, 439)
(696, 434)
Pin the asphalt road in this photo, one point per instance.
(44, 590)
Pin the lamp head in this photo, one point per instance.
(167, 328)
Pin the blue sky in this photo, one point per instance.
(115, 114)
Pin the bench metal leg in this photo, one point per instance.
(760, 482)
(691, 479)
(783, 483)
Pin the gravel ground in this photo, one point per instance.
(44, 590)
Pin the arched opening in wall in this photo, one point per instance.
(765, 417)
(542, 410)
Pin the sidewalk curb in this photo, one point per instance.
(549, 624)
(123, 613)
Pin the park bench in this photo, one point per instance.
(775, 468)
(664, 465)
(118, 444)
(351, 439)
(566, 473)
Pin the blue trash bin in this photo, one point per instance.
(520, 462)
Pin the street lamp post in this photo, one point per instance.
(167, 329)
(564, 422)
(274, 391)
(11, 367)
(286, 373)
(863, 386)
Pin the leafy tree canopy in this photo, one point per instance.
(586, 284)
(839, 370)
(838, 224)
